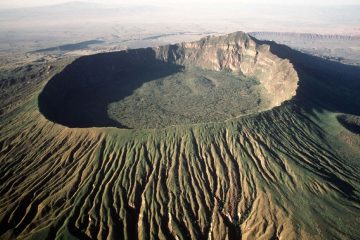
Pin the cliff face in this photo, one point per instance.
(237, 52)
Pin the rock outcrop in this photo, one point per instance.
(237, 52)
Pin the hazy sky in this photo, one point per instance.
(30, 3)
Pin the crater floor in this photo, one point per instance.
(190, 96)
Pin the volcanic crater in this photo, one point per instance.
(214, 79)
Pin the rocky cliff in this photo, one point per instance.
(237, 52)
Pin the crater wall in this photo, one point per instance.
(132, 84)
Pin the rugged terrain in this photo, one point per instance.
(286, 173)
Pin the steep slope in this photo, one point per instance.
(281, 174)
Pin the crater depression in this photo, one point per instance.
(211, 80)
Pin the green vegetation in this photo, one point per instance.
(190, 96)
(19, 81)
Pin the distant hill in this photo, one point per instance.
(74, 10)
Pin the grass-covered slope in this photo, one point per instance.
(288, 173)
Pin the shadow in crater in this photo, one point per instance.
(79, 95)
(323, 84)
(350, 122)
